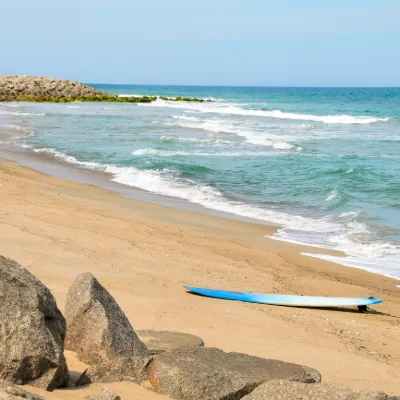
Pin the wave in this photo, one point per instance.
(16, 127)
(377, 257)
(17, 113)
(221, 126)
(214, 141)
(21, 130)
(164, 153)
(385, 262)
(333, 195)
(12, 105)
(235, 110)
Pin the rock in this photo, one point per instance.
(104, 394)
(161, 341)
(41, 89)
(9, 391)
(120, 369)
(23, 87)
(32, 330)
(284, 390)
(209, 373)
(97, 329)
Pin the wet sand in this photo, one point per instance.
(144, 253)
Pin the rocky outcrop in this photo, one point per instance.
(104, 394)
(9, 391)
(34, 88)
(32, 330)
(209, 373)
(284, 390)
(41, 89)
(164, 341)
(97, 329)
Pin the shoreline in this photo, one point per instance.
(144, 253)
(347, 235)
(59, 168)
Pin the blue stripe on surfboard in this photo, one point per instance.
(285, 300)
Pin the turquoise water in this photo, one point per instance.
(323, 164)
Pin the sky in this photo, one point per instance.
(204, 42)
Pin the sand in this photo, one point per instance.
(144, 253)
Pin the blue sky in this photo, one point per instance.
(204, 42)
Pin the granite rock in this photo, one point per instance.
(97, 329)
(32, 330)
(209, 373)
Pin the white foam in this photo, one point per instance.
(164, 153)
(384, 266)
(214, 141)
(16, 127)
(346, 234)
(65, 157)
(222, 126)
(12, 105)
(16, 113)
(333, 195)
(235, 110)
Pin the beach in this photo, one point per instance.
(199, 201)
(145, 253)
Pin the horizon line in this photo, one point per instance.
(249, 86)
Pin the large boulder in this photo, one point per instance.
(9, 391)
(161, 341)
(284, 390)
(32, 330)
(209, 373)
(97, 329)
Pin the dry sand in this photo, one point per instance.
(143, 254)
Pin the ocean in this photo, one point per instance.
(323, 164)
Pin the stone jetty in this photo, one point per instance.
(35, 88)
(41, 89)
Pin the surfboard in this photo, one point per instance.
(286, 300)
